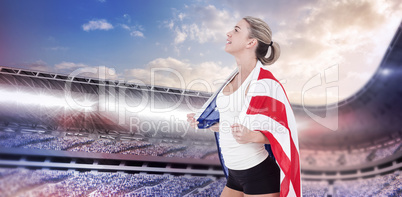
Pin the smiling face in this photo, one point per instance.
(238, 38)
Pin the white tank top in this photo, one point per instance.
(237, 156)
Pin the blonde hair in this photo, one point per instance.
(261, 31)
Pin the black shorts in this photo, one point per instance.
(263, 178)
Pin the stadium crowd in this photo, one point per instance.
(60, 143)
(194, 151)
(159, 149)
(44, 182)
(386, 185)
(213, 189)
(314, 188)
(110, 146)
(191, 151)
(173, 186)
(87, 144)
(18, 140)
(348, 158)
(16, 181)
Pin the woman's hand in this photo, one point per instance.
(244, 135)
(191, 120)
(193, 123)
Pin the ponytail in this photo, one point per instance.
(268, 54)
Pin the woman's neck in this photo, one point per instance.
(245, 66)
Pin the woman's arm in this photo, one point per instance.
(244, 135)
(260, 137)
(215, 127)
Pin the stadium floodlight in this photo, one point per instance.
(24, 98)
(30, 99)
(385, 71)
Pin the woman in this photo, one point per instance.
(255, 111)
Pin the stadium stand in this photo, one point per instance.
(42, 182)
(349, 158)
(158, 148)
(96, 145)
(385, 185)
(315, 188)
(213, 189)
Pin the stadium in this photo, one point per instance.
(112, 138)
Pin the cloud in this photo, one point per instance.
(73, 69)
(181, 16)
(69, 66)
(97, 25)
(83, 70)
(135, 31)
(97, 72)
(137, 34)
(124, 26)
(176, 73)
(319, 34)
(271, 11)
(180, 36)
(202, 24)
(313, 34)
(39, 65)
(333, 34)
(169, 24)
(127, 17)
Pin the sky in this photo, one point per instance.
(329, 49)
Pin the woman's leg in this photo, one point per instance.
(227, 192)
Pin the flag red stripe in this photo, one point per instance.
(295, 170)
(276, 110)
(266, 74)
(282, 160)
(270, 107)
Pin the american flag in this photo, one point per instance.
(269, 112)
